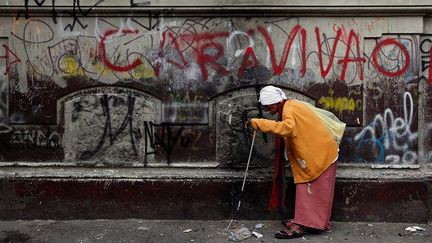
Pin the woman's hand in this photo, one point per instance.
(252, 122)
(246, 124)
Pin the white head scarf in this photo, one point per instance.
(271, 95)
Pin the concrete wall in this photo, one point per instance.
(178, 89)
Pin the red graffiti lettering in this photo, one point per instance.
(246, 63)
(203, 58)
(378, 66)
(249, 53)
(6, 57)
(347, 59)
(332, 52)
(343, 31)
(105, 58)
(206, 44)
(278, 68)
(202, 44)
(157, 64)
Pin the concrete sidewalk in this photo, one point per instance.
(134, 230)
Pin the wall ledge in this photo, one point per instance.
(196, 174)
(221, 10)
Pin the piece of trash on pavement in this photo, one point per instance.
(239, 234)
(370, 225)
(257, 235)
(187, 230)
(418, 228)
(259, 226)
(410, 229)
(99, 236)
(143, 228)
(414, 228)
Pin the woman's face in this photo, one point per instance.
(272, 109)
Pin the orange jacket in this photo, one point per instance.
(310, 146)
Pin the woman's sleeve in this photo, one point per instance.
(284, 128)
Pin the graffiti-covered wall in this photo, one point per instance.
(144, 90)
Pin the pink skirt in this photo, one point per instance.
(314, 200)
